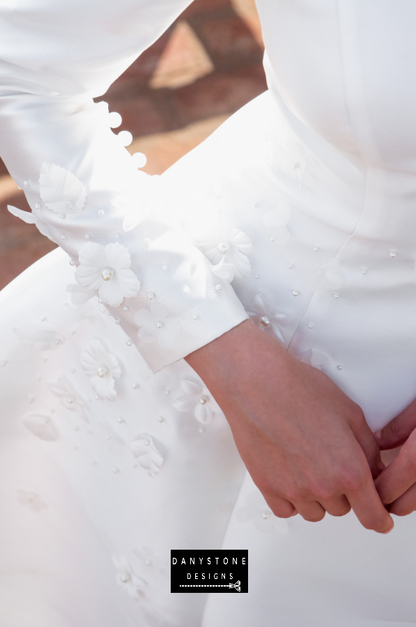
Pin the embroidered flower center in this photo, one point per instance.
(102, 371)
(107, 274)
(223, 248)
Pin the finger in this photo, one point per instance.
(369, 445)
(397, 478)
(368, 508)
(337, 507)
(406, 504)
(398, 430)
(312, 512)
(281, 507)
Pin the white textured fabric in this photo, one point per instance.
(81, 182)
(304, 200)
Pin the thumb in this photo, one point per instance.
(370, 447)
(396, 432)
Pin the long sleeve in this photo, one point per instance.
(83, 186)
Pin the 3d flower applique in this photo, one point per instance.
(267, 319)
(70, 398)
(198, 400)
(42, 426)
(103, 368)
(256, 511)
(226, 248)
(107, 269)
(31, 218)
(60, 190)
(275, 220)
(79, 295)
(127, 578)
(147, 454)
(157, 325)
(43, 334)
(315, 359)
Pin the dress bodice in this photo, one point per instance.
(344, 68)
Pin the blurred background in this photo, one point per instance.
(203, 69)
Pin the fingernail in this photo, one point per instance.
(377, 434)
(389, 530)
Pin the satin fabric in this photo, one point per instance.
(310, 187)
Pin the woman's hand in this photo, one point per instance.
(396, 485)
(304, 442)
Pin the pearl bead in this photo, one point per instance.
(311, 325)
(135, 386)
(295, 292)
(150, 296)
(296, 165)
(72, 262)
(120, 420)
(101, 212)
(339, 367)
(125, 577)
(272, 239)
(256, 276)
(25, 183)
(129, 342)
(86, 236)
(116, 469)
(264, 321)
(146, 442)
(161, 419)
(107, 274)
(43, 318)
(265, 515)
(316, 249)
(159, 325)
(164, 268)
(70, 400)
(364, 271)
(203, 400)
(222, 248)
(102, 371)
(194, 317)
(37, 205)
(63, 236)
(290, 266)
(393, 254)
(125, 308)
(218, 288)
(336, 295)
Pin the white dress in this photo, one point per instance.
(303, 201)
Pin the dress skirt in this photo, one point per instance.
(105, 466)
